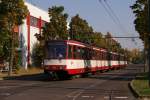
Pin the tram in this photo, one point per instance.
(67, 58)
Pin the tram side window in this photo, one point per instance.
(82, 53)
(109, 56)
(93, 54)
(89, 54)
(106, 56)
(117, 57)
(70, 51)
(97, 55)
(86, 53)
(112, 57)
(120, 58)
(101, 55)
(77, 54)
(74, 52)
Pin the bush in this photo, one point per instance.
(37, 55)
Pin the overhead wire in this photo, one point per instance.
(109, 13)
(114, 17)
(118, 20)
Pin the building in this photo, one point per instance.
(33, 24)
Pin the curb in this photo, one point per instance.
(1, 79)
(132, 90)
(4, 78)
(136, 94)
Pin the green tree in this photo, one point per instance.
(136, 56)
(80, 30)
(12, 14)
(112, 44)
(56, 29)
(37, 55)
(98, 40)
(140, 9)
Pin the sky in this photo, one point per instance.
(97, 16)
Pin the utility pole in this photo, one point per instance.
(149, 41)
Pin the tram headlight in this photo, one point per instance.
(46, 67)
(62, 67)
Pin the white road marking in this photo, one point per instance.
(121, 97)
(77, 95)
(106, 97)
(74, 92)
(87, 96)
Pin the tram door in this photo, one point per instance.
(119, 60)
(109, 57)
(87, 59)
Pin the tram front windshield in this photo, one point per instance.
(56, 51)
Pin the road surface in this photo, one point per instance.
(112, 85)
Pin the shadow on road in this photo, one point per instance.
(34, 77)
(117, 77)
(127, 74)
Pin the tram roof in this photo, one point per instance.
(80, 44)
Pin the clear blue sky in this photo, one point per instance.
(98, 18)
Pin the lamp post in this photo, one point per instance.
(149, 41)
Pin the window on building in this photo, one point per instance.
(33, 21)
(43, 23)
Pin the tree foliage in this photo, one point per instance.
(140, 9)
(12, 13)
(37, 55)
(56, 29)
(98, 40)
(112, 44)
(136, 56)
(80, 30)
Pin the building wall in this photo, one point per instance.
(32, 25)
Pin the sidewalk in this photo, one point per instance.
(140, 87)
(21, 72)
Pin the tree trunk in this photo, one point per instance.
(11, 55)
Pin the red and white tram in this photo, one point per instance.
(70, 57)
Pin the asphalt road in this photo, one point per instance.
(112, 85)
